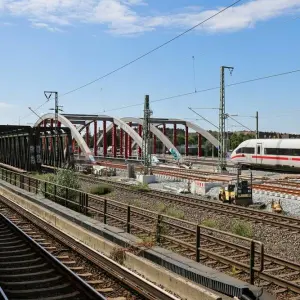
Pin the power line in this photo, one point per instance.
(34, 110)
(239, 123)
(144, 55)
(153, 50)
(265, 77)
(190, 93)
(206, 90)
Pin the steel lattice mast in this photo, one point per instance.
(222, 117)
(146, 152)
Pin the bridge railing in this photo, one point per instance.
(153, 228)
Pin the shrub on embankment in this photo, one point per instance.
(64, 178)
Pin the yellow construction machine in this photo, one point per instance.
(239, 194)
(276, 207)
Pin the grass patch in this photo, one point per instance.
(175, 212)
(100, 190)
(118, 254)
(171, 211)
(243, 229)
(160, 207)
(140, 187)
(135, 202)
(210, 223)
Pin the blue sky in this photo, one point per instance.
(63, 44)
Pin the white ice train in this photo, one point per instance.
(275, 154)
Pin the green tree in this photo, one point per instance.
(193, 139)
(238, 138)
(180, 139)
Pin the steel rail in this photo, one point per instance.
(137, 283)
(78, 284)
(220, 208)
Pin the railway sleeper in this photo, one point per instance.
(63, 288)
(85, 275)
(288, 274)
(31, 284)
(275, 269)
(280, 291)
(105, 290)
(70, 262)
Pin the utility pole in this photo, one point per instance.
(146, 137)
(222, 117)
(56, 109)
(257, 133)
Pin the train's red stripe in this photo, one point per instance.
(267, 157)
(239, 155)
(270, 157)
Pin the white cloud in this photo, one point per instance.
(5, 105)
(40, 25)
(124, 16)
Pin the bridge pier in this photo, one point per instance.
(104, 139)
(95, 138)
(175, 135)
(126, 145)
(199, 145)
(186, 141)
(121, 142)
(140, 129)
(130, 143)
(114, 140)
(154, 143)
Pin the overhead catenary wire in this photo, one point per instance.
(154, 49)
(240, 123)
(205, 90)
(37, 108)
(189, 93)
(145, 54)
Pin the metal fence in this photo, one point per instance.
(137, 220)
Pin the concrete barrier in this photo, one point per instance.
(202, 187)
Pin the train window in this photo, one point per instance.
(286, 152)
(282, 151)
(239, 150)
(295, 152)
(271, 151)
(248, 150)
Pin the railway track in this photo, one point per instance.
(275, 187)
(29, 271)
(252, 215)
(100, 276)
(270, 186)
(278, 276)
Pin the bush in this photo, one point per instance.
(69, 179)
(210, 223)
(242, 228)
(100, 190)
(65, 178)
